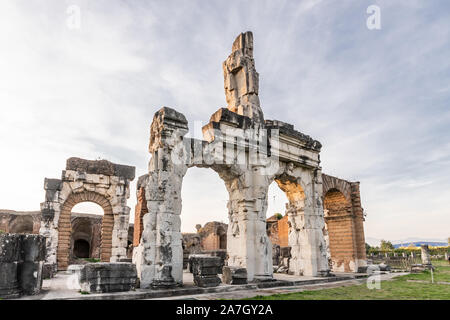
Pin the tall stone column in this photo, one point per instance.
(306, 223)
(160, 255)
(248, 245)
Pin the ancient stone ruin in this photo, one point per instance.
(102, 182)
(249, 153)
(321, 231)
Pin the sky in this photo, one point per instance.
(377, 99)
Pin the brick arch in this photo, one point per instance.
(65, 226)
(333, 183)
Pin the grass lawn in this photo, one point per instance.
(397, 289)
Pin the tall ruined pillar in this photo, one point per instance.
(159, 257)
(358, 223)
(248, 245)
(242, 80)
(306, 223)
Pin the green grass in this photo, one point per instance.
(397, 289)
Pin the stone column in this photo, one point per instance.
(425, 254)
(358, 223)
(306, 223)
(50, 211)
(159, 257)
(248, 245)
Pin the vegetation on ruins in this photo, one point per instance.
(408, 287)
(278, 216)
(434, 251)
(386, 245)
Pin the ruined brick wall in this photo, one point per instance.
(23, 222)
(283, 229)
(344, 218)
(272, 231)
(84, 226)
(344, 221)
(213, 236)
(140, 211)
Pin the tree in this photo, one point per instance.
(367, 247)
(386, 245)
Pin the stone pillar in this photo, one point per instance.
(248, 245)
(120, 233)
(358, 223)
(425, 254)
(50, 211)
(160, 256)
(306, 223)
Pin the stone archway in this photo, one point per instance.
(65, 227)
(98, 181)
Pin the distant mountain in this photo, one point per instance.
(419, 243)
(374, 242)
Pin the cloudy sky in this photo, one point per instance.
(378, 100)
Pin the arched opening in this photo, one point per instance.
(291, 225)
(204, 214)
(277, 229)
(81, 249)
(86, 221)
(339, 226)
(94, 225)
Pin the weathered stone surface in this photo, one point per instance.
(241, 81)
(108, 277)
(207, 281)
(52, 184)
(10, 247)
(103, 167)
(21, 264)
(30, 277)
(101, 182)
(33, 248)
(9, 285)
(204, 269)
(234, 275)
(248, 158)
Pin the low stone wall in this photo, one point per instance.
(22, 259)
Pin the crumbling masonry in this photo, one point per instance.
(248, 153)
(101, 182)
